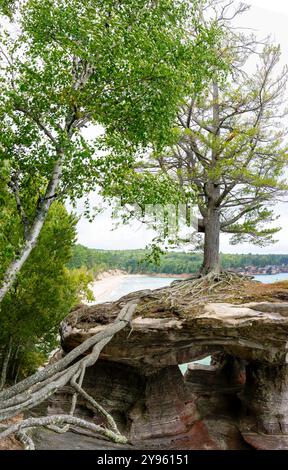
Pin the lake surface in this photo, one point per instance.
(116, 288)
(127, 284)
(268, 279)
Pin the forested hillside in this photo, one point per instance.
(171, 263)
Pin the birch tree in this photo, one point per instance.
(68, 64)
(68, 70)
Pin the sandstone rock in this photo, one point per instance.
(266, 442)
(251, 332)
(138, 381)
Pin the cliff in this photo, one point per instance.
(239, 402)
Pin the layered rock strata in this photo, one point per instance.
(239, 402)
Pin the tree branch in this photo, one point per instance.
(39, 124)
(238, 216)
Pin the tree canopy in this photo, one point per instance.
(230, 146)
(121, 67)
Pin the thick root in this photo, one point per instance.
(45, 383)
(211, 287)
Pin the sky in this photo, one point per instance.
(265, 17)
(279, 6)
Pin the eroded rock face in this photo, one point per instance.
(168, 409)
(159, 337)
(266, 399)
(224, 406)
(144, 406)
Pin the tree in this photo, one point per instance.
(123, 66)
(43, 295)
(231, 150)
(118, 65)
(7, 7)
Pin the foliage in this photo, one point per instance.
(44, 293)
(232, 146)
(229, 152)
(122, 66)
(66, 66)
(7, 7)
(171, 263)
(10, 233)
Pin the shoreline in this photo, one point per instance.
(108, 284)
(118, 272)
(104, 284)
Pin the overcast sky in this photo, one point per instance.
(266, 17)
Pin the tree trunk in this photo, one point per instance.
(5, 365)
(211, 262)
(34, 232)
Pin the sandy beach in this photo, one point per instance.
(112, 285)
(108, 284)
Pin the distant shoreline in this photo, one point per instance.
(109, 282)
(111, 273)
(120, 273)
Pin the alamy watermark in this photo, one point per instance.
(167, 219)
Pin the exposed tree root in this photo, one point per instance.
(211, 287)
(96, 406)
(26, 440)
(46, 421)
(71, 369)
(37, 388)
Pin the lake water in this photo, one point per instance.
(134, 283)
(268, 279)
(126, 284)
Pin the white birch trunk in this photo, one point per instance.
(5, 365)
(34, 231)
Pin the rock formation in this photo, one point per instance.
(240, 401)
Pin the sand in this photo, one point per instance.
(107, 283)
